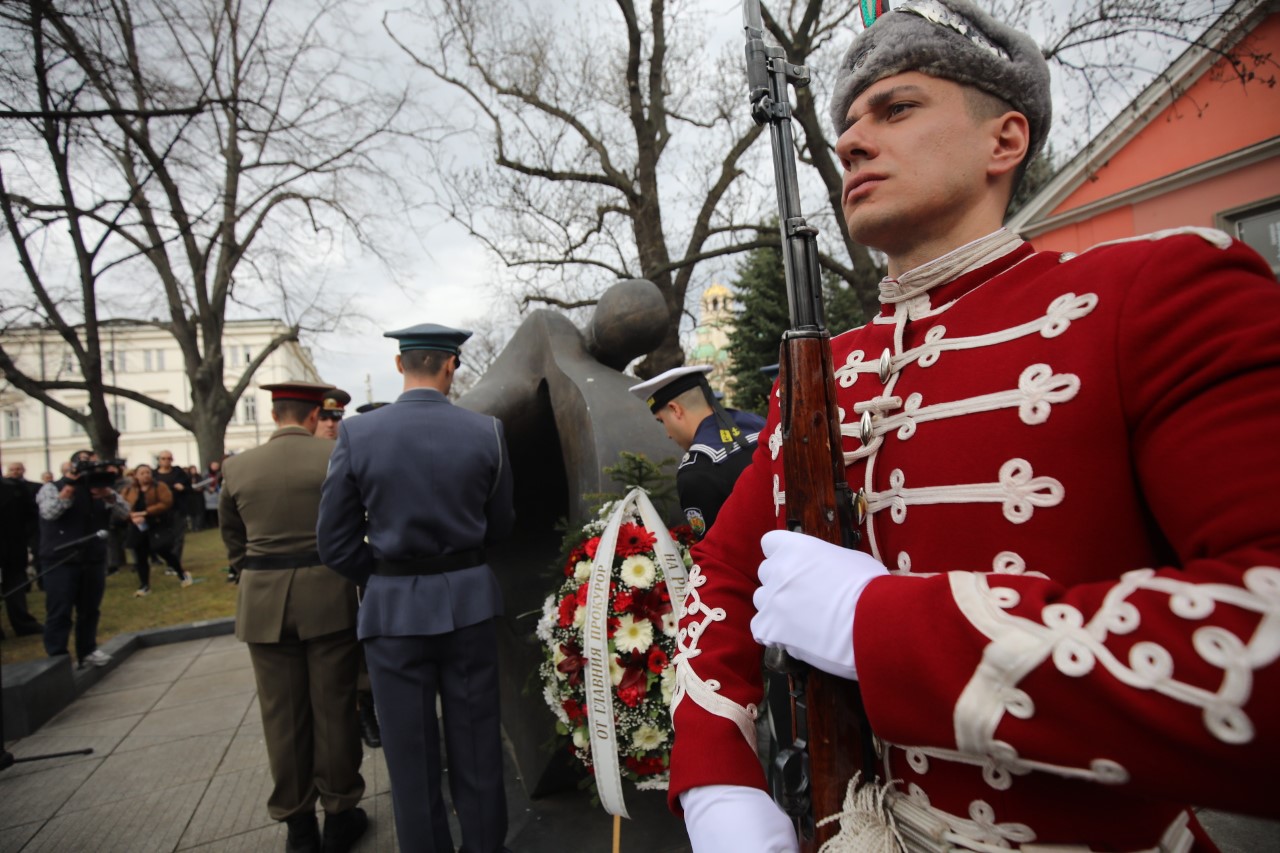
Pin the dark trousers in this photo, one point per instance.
(462, 668)
(74, 587)
(142, 552)
(13, 581)
(306, 692)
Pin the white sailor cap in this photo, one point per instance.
(666, 386)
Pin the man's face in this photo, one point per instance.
(674, 424)
(165, 461)
(915, 162)
(328, 427)
(17, 470)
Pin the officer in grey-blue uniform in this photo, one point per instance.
(429, 485)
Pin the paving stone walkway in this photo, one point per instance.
(179, 763)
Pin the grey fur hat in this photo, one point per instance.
(954, 40)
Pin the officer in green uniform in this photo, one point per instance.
(298, 618)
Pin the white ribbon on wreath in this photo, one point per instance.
(595, 636)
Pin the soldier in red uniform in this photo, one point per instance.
(1064, 613)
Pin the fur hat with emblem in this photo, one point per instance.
(953, 40)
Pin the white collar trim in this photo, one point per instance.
(949, 267)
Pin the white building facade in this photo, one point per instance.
(147, 360)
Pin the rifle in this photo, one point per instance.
(832, 738)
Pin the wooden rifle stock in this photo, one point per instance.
(832, 739)
(831, 723)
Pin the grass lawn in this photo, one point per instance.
(210, 597)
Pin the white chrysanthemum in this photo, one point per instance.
(580, 739)
(548, 620)
(648, 737)
(616, 670)
(667, 683)
(582, 570)
(633, 635)
(638, 571)
(553, 702)
(557, 657)
(670, 623)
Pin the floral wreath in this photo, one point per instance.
(641, 627)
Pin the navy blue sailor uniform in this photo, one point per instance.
(429, 484)
(711, 466)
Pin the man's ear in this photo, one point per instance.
(399, 364)
(1010, 144)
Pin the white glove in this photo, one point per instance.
(736, 819)
(808, 593)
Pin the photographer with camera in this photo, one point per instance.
(74, 514)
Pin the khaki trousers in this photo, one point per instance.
(306, 690)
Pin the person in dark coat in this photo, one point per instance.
(415, 492)
(18, 509)
(75, 512)
(717, 442)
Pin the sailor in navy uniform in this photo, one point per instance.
(415, 491)
(717, 442)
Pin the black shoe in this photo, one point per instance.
(304, 834)
(28, 630)
(343, 829)
(370, 733)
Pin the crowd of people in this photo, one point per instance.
(144, 511)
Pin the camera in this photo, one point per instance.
(97, 473)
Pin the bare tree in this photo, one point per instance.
(167, 162)
(617, 148)
(611, 156)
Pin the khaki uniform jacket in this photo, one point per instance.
(269, 503)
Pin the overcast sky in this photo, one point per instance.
(446, 279)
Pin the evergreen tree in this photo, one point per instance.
(761, 292)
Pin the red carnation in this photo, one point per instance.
(647, 766)
(634, 539)
(631, 696)
(568, 606)
(658, 660)
(590, 546)
(575, 710)
(623, 601)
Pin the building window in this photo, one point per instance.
(69, 363)
(157, 419)
(76, 427)
(118, 412)
(13, 423)
(1258, 226)
(250, 410)
(160, 360)
(146, 361)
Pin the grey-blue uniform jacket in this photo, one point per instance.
(419, 478)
